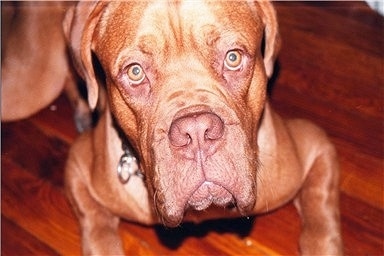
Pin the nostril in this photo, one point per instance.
(215, 128)
(178, 136)
(209, 136)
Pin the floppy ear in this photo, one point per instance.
(79, 24)
(271, 33)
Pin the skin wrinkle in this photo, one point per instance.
(176, 180)
(175, 23)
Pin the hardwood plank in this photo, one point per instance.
(16, 241)
(362, 177)
(32, 149)
(363, 227)
(39, 208)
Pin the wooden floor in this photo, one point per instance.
(330, 70)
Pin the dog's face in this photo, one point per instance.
(186, 82)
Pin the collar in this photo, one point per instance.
(128, 166)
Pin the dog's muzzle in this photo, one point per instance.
(196, 137)
(198, 165)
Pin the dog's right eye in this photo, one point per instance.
(135, 74)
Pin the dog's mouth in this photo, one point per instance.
(210, 193)
(172, 209)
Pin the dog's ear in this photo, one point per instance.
(271, 35)
(79, 24)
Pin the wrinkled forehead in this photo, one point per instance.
(178, 25)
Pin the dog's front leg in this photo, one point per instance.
(318, 201)
(98, 225)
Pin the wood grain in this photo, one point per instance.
(330, 70)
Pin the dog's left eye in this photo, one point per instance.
(135, 74)
(233, 60)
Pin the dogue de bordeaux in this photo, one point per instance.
(185, 131)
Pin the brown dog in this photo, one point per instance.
(186, 89)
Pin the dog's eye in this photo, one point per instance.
(135, 74)
(233, 60)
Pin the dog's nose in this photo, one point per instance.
(196, 133)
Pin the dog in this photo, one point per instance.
(185, 131)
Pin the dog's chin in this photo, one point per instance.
(205, 196)
(210, 193)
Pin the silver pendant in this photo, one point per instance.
(128, 167)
